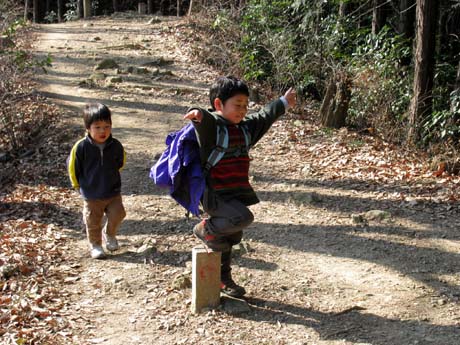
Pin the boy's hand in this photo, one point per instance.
(290, 96)
(194, 115)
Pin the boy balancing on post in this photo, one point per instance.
(228, 192)
(94, 168)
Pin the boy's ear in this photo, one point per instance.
(218, 105)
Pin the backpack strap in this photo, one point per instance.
(222, 146)
(247, 137)
(219, 151)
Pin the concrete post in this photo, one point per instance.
(205, 279)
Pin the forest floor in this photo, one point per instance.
(321, 268)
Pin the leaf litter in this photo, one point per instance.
(39, 218)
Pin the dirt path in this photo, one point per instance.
(314, 275)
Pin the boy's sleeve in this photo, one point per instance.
(73, 166)
(206, 131)
(259, 123)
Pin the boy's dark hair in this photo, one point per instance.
(227, 87)
(96, 112)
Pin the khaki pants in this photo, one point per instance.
(93, 212)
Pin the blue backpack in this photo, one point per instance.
(179, 167)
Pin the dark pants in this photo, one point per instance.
(226, 221)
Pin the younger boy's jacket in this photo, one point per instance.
(94, 170)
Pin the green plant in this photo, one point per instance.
(443, 125)
(266, 41)
(382, 88)
(71, 13)
(12, 28)
(51, 17)
(16, 115)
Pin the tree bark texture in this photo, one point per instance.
(343, 6)
(334, 109)
(453, 106)
(86, 8)
(26, 10)
(150, 6)
(457, 80)
(80, 8)
(60, 10)
(378, 15)
(406, 25)
(36, 11)
(422, 101)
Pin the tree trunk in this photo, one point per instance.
(86, 8)
(36, 11)
(80, 8)
(334, 109)
(150, 6)
(60, 10)
(342, 9)
(342, 14)
(454, 107)
(406, 23)
(422, 101)
(457, 80)
(378, 15)
(115, 6)
(26, 10)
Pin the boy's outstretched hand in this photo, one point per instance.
(290, 96)
(194, 115)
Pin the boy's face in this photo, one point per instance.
(100, 131)
(235, 108)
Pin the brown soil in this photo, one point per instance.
(315, 273)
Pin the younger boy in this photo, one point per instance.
(228, 192)
(94, 167)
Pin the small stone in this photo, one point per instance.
(115, 80)
(106, 64)
(8, 270)
(181, 282)
(5, 157)
(98, 76)
(241, 249)
(307, 169)
(117, 280)
(308, 198)
(235, 306)
(154, 20)
(377, 215)
(357, 218)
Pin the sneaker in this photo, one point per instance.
(208, 239)
(97, 252)
(230, 288)
(111, 243)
